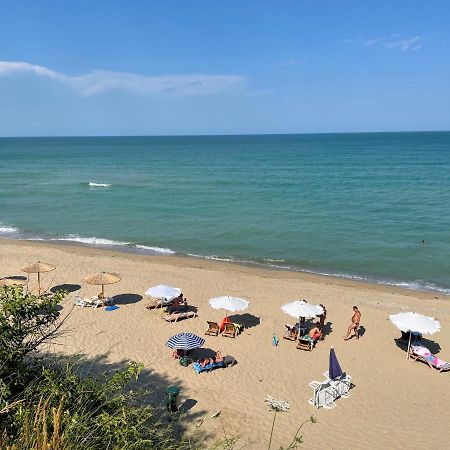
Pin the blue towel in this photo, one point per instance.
(111, 308)
(199, 369)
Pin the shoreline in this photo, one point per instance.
(206, 263)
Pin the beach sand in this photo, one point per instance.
(396, 403)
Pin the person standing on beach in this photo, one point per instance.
(322, 319)
(355, 324)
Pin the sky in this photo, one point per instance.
(223, 67)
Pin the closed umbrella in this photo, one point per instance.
(185, 341)
(102, 278)
(163, 291)
(229, 303)
(414, 322)
(39, 267)
(334, 369)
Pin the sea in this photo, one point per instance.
(363, 206)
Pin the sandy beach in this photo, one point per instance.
(396, 403)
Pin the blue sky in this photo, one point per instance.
(212, 67)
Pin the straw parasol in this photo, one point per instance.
(102, 278)
(39, 267)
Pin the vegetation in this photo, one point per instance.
(46, 405)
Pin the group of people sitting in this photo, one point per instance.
(177, 304)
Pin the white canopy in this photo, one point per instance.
(229, 303)
(300, 308)
(411, 321)
(414, 322)
(163, 291)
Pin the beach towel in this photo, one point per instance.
(199, 369)
(111, 308)
(425, 353)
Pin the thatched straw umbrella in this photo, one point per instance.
(102, 278)
(39, 267)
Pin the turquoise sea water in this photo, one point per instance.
(353, 205)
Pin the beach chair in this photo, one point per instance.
(175, 317)
(421, 353)
(213, 329)
(343, 384)
(230, 330)
(81, 302)
(324, 395)
(291, 333)
(306, 343)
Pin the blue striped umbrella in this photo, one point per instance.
(185, 341)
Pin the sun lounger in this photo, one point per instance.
(291, 333)
(213, 329)
(306, 343)
(159, 303)
(324, 394)
(175, 317)
(209, 367)
(231, 330)
(421, 353)
(81, 302)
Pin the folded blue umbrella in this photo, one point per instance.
(111, 308)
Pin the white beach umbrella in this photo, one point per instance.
(163, 291)
(300, 308)
(413, 322)
(229, 303)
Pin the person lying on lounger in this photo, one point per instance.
(205, 361)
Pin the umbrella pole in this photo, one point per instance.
(103, 290)
(409, 345)
(39, 284)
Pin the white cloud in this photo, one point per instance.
(99, 81)
(395, 42)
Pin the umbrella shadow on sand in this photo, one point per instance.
(127, 299)
(200, 353)
(247, 320)
(65, 287)
(433, 346)
(327, 328)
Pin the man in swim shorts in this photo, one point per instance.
(353, 328)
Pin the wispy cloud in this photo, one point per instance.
(99, 81)
(396, 42)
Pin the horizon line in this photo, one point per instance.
(216, 135)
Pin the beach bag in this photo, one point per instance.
(184, 361)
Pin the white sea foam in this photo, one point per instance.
(88, 240)
(167, 251)
(92, 184)
(109, 242)
(7, 229)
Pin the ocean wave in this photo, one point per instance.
(167, 251)
(8, 229)
(87, 240)
(92, 184)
